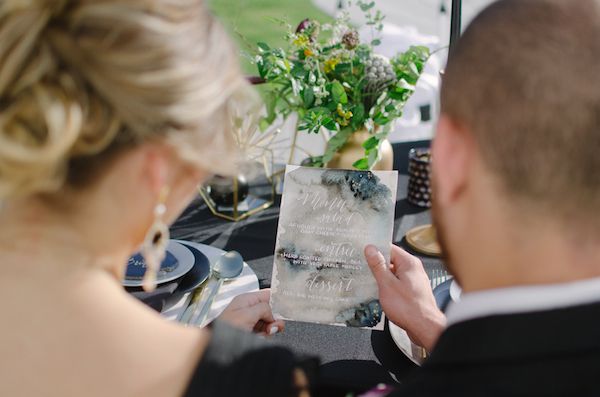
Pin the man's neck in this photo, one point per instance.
(534, 253)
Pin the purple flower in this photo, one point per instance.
(310, 28)
(302, 26)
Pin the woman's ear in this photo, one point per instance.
(156, 167)
(452, 156)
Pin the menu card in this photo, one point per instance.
(327, 217)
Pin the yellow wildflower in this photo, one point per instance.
(330, 64)
(344, 114)
(343, 122)
(301, 40)
(308, 52)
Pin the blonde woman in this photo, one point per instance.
(111, 112)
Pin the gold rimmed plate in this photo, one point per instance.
(423, 239)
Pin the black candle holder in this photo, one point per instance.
(236, 198)
(419, 171)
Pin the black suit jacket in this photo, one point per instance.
(547, 353)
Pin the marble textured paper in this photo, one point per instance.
(327, 217)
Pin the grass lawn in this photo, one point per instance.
(249, 22)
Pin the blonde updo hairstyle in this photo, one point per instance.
(81, 80)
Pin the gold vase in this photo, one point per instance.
(353, 150)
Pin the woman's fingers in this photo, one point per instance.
(260, 311)
(264, 295)
(269, 329)
(275, 327)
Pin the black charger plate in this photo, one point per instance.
(199, 273)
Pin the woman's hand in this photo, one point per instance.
(252, 312)
(405, 295)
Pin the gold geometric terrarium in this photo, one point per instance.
(236, 198)
(253, 189)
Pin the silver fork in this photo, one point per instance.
(437, 275)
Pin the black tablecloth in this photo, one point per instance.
(353, 359)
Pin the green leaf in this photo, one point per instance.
(363, 51)
(380, 119)
(358, 116)
(262, 70)
(319, 111)
(343, 68)
(372, 158)
(361, 164)
(397, 95)
(335, 143)
(316, 118)
(338, 93)
(308, 96)
(413, 68)
(366, 6)
(371, 143)
(298, 70)
(375, 42)
(263, 124)
(405, 85)
(331, 105)
(270, 104)
(390, 107)
(329, 123)
(263, 46)
(315, 161)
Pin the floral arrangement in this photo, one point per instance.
(334, 81)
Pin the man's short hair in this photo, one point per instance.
(525, 79)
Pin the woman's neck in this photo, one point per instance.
(38, 242)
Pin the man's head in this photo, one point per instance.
(518, 142)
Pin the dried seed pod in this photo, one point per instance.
(350, 39)
(379, 75)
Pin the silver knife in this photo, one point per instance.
(187, 315)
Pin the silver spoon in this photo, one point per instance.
(228, 266)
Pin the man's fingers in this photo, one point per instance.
(402, 260)
(377, 264)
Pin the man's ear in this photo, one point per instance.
(452, 156)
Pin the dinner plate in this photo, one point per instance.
(415, 353)
(247, 281)
(441, 293)
(199, 273)
(455, 291)
(446, 292)
(185, 262)
(424, 239)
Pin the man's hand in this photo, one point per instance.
(405, 295)
(252, 312)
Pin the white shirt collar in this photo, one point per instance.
(523, 299)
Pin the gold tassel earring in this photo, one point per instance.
(155, 243)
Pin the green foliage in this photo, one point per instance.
(333, 82)
(335, 143)
(338, 94)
